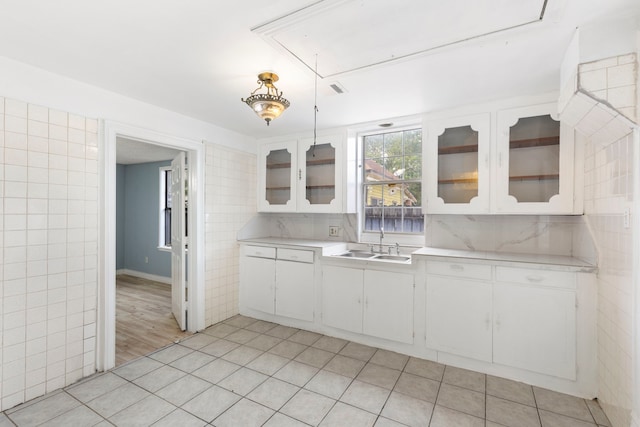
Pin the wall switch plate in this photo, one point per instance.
(334, 231)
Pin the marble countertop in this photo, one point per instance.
(508, 258)
(503, 258)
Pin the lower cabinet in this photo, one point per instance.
(459, 317)
(524, 318)
(278, 281)
(373, 302)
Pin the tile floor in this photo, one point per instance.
(245, 372)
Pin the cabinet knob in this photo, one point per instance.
(299, 174)
(456, 267)
(535, 279)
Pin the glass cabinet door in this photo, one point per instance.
(535, 157)
(320, 163)
(456, 159)
(319, 174)
(276, 177)
(458, 164)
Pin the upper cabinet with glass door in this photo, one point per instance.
(535, 162)
(457, 165)
(301, 176)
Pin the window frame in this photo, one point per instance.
(390, 238)
(162, 230)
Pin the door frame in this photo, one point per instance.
(106, 299)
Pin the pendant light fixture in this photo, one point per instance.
(271, 104)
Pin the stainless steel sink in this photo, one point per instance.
(403, 258)
(357, 254)
(363, 254)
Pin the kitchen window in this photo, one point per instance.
(392, 182)
(164, 233)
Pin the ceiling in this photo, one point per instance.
(392, 58)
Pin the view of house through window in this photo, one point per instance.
(392, 182)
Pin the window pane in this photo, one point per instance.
(389, 200)
(373, 146)
(167, 188)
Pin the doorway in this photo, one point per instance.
(194, 266)
(147, 275)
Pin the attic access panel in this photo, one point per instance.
(349, 35)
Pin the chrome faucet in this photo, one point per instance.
(381, 237)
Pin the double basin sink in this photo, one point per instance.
(368, 255)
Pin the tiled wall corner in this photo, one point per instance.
(48, 249)
(613, 80)
(608, 188)
(230, 202)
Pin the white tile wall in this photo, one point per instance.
(230, 202)
(608, 189)
(613, 80)
(48, 249)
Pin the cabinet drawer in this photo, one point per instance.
(459, 269)
(260, 251)
(530, 276)
(295, 255)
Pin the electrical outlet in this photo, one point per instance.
(146, 260)
(334, 231)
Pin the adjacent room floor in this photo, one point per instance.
(246, 372)
(144, 322)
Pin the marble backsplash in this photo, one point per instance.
(534, 234)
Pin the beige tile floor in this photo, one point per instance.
(245, 372)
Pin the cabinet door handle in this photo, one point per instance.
(299, 174)
(456, 267)
(487, 321)
(498, 323)
(535, 279)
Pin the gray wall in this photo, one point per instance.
(137, 219)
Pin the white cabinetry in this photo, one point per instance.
(535, 321)
(524, 318)
(534, 162)
(526, 166)
(457, 165)
(278, 281)
(300, 176)
(459, 309)
(376, 303)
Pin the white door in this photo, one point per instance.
(342, 297)
(178, 241)
(535, 329)
(459, 317)
(388, 305)
(294, 293)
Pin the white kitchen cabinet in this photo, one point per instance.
(518, 317)
(388, 305)
(456, 156)
(373, 302)
(535, 326)
(294, 284)
(342, 290)
(534, 155)
(278, 281)
(459, 317)
(300, 176)
(258, 278)
(525, 166)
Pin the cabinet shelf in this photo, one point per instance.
(319, 162)
(279, 166)
(458, 181)
(315, 187)
(534, 177)
(278, 188)
(534, 142)
(457, 149)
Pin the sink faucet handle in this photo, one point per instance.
(397, 248)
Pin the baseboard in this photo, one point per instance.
(154, 277)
